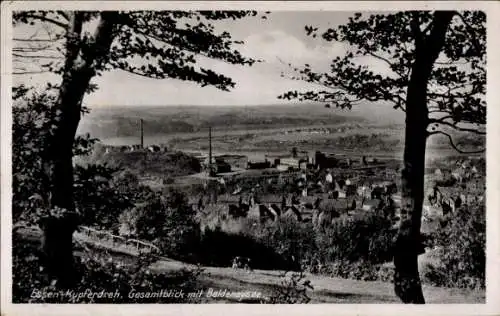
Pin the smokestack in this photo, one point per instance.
(142, 134)
(210, 148)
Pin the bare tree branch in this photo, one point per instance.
(450, 62)
(64, 14)
(35, 56)
(35, 40)
(46, 19)
(29, 72)
(427, 28)
(455, 126)
(455, 146)
(30, 49)
(387, 61)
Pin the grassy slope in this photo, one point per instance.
(326, 289)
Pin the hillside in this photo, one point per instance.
(119, 121)
(144, 163)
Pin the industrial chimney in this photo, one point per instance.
(142, 134)
(210, 150)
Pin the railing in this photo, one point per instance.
(108, 240)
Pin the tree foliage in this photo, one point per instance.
(170, 223)
(155, 44)
(98, 196)
(461, 249)
(456, 88)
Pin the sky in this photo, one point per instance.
(279, 39)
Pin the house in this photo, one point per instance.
(430, 211)
(303, 165)
(154, 148)
(262, 212)
(474, 170)
(259, 165)
(275, 209)
(324, 161)
(290, 161)
(222, 166)
(282, 168)
(371, 205)
(363, 191)
(235, 161)
(329, 178)
(324, 218)
(218, 165)
(438, 173)
(459, 175)
(293, 212)
(295, 162)
(339, 205)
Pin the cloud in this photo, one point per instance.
(259, 84)
(276, 45)
(254, 85)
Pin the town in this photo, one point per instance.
(318, 187)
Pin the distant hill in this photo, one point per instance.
(123, 121)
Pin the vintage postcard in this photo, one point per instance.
(196, 157)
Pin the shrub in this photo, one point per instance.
(219, 247)
(368, 238)
(98, 196)
(293, 290)
(358, 270)
(290, 239)
(353, 248)
(170, 223)
(99, 272)
(461, 249)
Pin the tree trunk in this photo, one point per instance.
(407, 281)
(408, 244)
(79, 69)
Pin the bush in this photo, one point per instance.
(460, 250)
(218, 248)
(292, 240)
(293, 290)
(353, 248)
(368, 239)
(169, 222)
(98, 196)
(357, 270)
(99, 273)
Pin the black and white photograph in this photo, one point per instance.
(225, 153)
